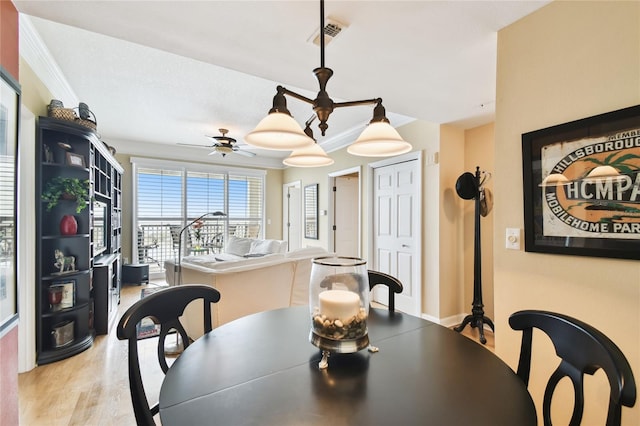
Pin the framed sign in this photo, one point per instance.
(311, 211)
(9, 127)
(582, 186)
(75, 160)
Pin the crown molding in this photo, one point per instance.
(186, 154)
(35, 52)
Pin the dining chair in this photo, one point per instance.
(215, 243)
(164, 307)
(375, 278)
(582, 349)
(253, 231)
(175, 239)
(394, 285)
(144, 246)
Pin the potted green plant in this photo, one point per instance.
(63, 188)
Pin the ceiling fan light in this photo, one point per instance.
(278, 131)
(310, 156)
(379, 139)
(224, 149)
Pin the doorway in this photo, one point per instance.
(292, 215)
(396, 227)
(345, 212)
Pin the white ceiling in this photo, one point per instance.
(168, 72)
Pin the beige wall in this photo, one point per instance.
(35, 96)
(567, 61)
(273, 208)
(442, 232)
(319, 175)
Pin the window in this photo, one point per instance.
(168, 196)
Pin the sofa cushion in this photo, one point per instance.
(310, 252)
(264, 247)
(246, 263)
(238, 246)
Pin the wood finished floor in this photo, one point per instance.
(92, 388)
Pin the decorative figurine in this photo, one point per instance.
(64, 263)
(48, 155)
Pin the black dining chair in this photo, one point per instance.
(375, 278)
(394, 285)
(582, 349)
(164, 307)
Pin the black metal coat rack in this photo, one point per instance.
(468, 187)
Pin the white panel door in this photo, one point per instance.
(292, 216)
(346, 215)
(396, 231)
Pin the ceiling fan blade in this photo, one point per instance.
(246, 147)
(197, 145)
(214, 152)
(245, 153)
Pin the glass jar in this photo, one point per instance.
(339, 304)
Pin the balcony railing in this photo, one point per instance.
(159, 240)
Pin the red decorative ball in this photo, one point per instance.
(68, 225)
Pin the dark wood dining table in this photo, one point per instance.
(262, 370)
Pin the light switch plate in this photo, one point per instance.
(512, 240)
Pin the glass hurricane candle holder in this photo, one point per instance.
(339, 305)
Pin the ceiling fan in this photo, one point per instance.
(223, 145)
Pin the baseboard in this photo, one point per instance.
(446, 322)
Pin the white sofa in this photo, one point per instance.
(246, 285)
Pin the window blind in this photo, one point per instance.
(168, 197)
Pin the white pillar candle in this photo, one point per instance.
(339, 304)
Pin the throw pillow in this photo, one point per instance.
(238, 246)
(264, 247)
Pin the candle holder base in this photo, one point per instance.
(324, 362)
(343, 346)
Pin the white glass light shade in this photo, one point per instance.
(278, 131)
(222, 150)
(309, 156)
(554, 179)
(379, 139)
(605, 173)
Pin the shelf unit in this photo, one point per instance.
(91, 161)
(106, 290)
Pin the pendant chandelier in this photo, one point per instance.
(279, 131)
(310, 155)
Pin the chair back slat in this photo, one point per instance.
(164, 307)
(394, 285)
(583, 350)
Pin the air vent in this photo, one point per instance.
(331, 30)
